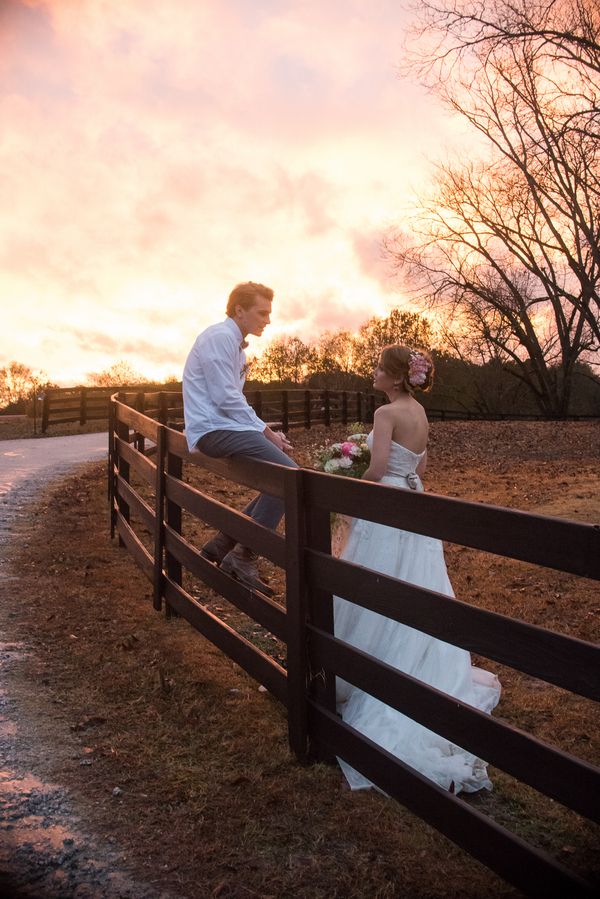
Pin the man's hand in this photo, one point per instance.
(279, 439)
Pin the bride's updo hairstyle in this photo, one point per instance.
(412, 369)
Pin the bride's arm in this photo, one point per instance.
(383, 426)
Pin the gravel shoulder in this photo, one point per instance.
(47, 849)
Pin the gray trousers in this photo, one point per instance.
(264, 508)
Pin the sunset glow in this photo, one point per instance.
(154, 154)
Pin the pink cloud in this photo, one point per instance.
(368, 248)
(159, 153)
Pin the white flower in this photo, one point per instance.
(336, 447)
(357, 438)
(332, 465)
(344, 462)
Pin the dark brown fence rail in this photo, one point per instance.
(146, 453)
(287, 409)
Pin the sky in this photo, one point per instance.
(154, 153)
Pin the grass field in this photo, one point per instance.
(19, 427)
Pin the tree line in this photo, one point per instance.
(19, 383)
(342, 360)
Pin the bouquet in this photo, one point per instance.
(350, 458)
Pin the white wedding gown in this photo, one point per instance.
(418, 560)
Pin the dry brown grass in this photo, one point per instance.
(18, 427)
(213, 803)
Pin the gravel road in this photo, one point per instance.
(26, 464)
(46, 850)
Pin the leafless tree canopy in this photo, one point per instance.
(18, 381)
(117, 375)
(284, 359)
(510, 241)
(340, 357)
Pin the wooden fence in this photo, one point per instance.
(289, 409)
(63, 405)
(144, 451)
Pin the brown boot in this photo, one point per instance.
(241, 564)
(217, 548)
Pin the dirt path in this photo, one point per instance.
(46, 850)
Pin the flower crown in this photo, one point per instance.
(418, 369)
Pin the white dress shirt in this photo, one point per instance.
(213, 381)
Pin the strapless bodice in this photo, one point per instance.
(402, 463)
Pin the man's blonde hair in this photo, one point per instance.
(245, 295)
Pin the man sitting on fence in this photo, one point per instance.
(219, 421)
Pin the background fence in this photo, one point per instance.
(149, 497)
(83, 404)
(287, 408)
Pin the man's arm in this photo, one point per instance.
(220, 365)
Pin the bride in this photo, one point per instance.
(398, 445)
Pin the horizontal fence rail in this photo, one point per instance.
(530, 869)
(149, 497)
(552, 542)
(564, 661)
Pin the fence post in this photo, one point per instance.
(359, 399)
(34, 408)
(122, 431)
(258, 403)
(307, 419)
(344, 407)
(82, 405)
(111, 467)
(140, 405)
(296, 599)
(45, 411)
(163, 407)
(159, 519)
(370, 410)
(327, 408)
(320, 613)
(173, 518)
(285, 411)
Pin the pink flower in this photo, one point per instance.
(418, 369)
(347, 448)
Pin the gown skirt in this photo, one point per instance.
(418, 560)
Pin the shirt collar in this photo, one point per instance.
(233, 325)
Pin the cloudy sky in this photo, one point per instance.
(154, 153)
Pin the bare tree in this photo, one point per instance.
(510, 244)
(408, 328)
(284, 359)
(340, 358)
(120, 374)
(18, 382)
(565, 28)
(335, 360)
